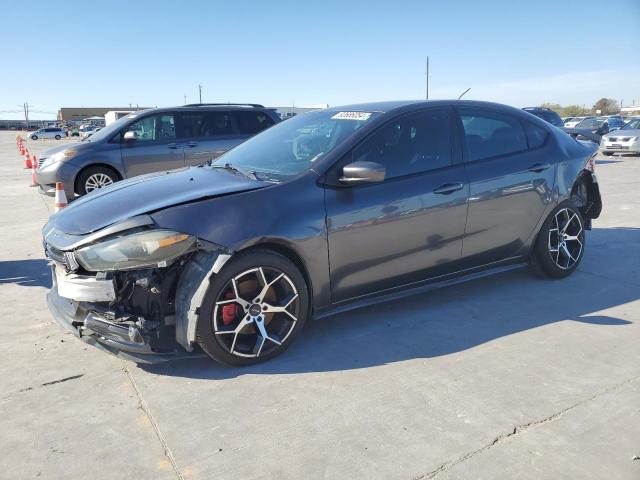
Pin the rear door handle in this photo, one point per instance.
(538, 167)
(192, 144)
(448, 188)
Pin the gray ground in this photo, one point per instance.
(507, 377)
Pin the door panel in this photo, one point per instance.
(508, 193)
(155, 149)
(410, 226)
(394, 233)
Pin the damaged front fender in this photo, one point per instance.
(192, 287)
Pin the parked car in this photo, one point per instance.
(594, 128)
(546, 114)
(49, 132)
(573, 121)
(624, 140)
(150, 141)
(328, 211)
(88, 131)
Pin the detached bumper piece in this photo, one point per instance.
(130, 337)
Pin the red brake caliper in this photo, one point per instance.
(231, 311)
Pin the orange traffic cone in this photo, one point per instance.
(27, 161)
(34, 183)
(61, 198)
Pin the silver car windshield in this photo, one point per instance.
(632, 125)
(294, 145)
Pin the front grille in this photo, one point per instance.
(41, 161)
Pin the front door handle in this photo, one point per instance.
(192, 144)
(448, 188)
(538, 167)
(172, 145)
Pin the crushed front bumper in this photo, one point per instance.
(92, 327)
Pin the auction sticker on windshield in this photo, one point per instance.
(352, 116)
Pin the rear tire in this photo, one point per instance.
(560, 244)
(93, 178)
(34, 137)
(58, 137)
(255, 307)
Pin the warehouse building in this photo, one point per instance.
(75, 114)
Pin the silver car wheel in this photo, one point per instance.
(97, 180)
(566, 238)
(255, 312)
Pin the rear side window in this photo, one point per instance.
(491, 134)
(206, 124)
(251, 122)
(412, 144)
(536, 136)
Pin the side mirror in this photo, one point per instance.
(362, 172)
(130, 136)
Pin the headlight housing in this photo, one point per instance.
(151, 248)
(60, 156)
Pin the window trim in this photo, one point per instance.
(465, 148)
(333, 172)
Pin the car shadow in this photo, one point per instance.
(28, 273)
(452, 319)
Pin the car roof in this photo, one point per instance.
(399, 105)
(207, 106)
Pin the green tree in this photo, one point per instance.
(574, 111)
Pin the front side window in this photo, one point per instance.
(491, 134)
(154, 128)
(250, 123)
(412, 144)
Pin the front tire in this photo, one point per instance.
(94, 178)
(34, 137)
(560, 245)
(58, 137)
(254, 309)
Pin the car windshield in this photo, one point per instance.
(293, 145)
(632, 125)
(591, 123)
(109, 130)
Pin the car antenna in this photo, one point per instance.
(462, 94)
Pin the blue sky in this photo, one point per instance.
(152, 53)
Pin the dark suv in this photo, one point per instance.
(148, 141)
(546, 114)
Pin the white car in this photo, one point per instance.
(88, 131)
(573, 121)
(624, 140)
(49, 132)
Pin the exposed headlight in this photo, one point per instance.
(152, 248)
(60, 156)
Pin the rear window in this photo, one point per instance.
(251, 122)
(490, 134)
(536, 136)
(206, 124)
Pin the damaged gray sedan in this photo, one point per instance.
(328, 211)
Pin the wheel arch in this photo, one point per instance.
(93, 165)
(290, 253)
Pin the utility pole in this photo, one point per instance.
(200, 91)
(185, 99)
(26, 113)
(427, 78)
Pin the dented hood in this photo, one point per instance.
(148, 193)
